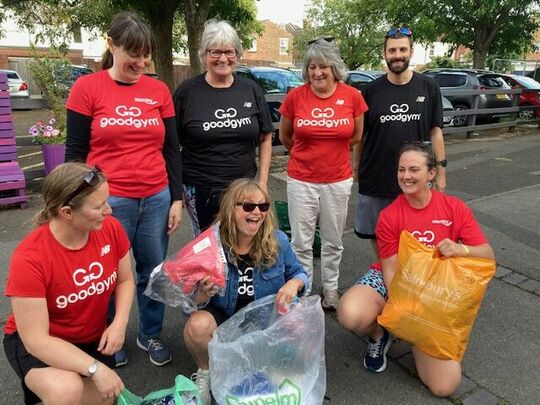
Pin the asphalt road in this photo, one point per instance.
(499, 177)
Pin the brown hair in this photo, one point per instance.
(129, 31)
(399, 35)
(265, 246)
(62, 182)
(423, 148)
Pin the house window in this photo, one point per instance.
(253, 47)
(431, 51)
(283, 46)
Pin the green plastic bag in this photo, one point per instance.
(184, 392)
(282, 212)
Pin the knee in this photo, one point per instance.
(68, 390)
(352, 317)
(199, 327)
(443, 388)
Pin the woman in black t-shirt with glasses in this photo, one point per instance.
(221, 118)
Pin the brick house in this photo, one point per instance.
(274, 47)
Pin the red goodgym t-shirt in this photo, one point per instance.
(127, 131)
(77, 284)
(322, 130)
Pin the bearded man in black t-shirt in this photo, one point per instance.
(403, 107)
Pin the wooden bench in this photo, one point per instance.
(12, 182)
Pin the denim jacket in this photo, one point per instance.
(265, 282)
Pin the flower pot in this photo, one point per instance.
(53, 155)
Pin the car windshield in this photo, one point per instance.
(277, 81)
(493, 81)
(527, 82)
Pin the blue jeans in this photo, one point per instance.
(145, 222)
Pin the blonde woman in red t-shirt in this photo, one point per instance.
(61, 278)
(320, 120)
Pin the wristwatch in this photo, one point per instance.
(442, 163)
(92, 368)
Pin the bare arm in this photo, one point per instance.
(286, 132)
(437, 144)
(113, 338)
(357, 144)
(33, 326)
(265, 157)
(389, 267)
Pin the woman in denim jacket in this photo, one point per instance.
(260, 260)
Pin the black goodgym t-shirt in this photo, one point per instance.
(397, 114)
(219, 130)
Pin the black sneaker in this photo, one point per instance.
(120, 358)
(375, 358)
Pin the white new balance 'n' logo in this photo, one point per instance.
(105, 249)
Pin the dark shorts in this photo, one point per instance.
(202, 204)
(22, 362)
(374, 279)
(368, 209)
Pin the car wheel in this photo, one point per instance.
(526, 114)
(461, 120)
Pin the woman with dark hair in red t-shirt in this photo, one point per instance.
(437, 220)
(61, 278)
(320, 120)
(124, 121)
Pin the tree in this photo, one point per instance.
(484, 26)
(56, 20)
(355, 25)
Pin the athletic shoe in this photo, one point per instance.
(330, 299)
(120, 358)
(159, 353)
(202, 380)
(375, 358)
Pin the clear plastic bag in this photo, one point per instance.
(174, 282)
(259, 355)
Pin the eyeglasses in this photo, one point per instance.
(249, 207)
(216, 53)
(325, 38)
(90, 179)
(402, 30)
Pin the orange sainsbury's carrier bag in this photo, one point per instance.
(433, 300)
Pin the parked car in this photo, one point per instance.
(67, 78)
(471, 79)
(17, 86)
(525, 99)
(359, 79)
(271, 79)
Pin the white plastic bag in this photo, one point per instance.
(174, 282)
(258, 357)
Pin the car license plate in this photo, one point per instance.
(502, 97)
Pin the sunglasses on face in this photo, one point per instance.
(249, 207)
(216, 53)
(402, 30)
(90, 179)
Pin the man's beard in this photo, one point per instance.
(398, 69)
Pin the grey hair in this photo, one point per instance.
(327, 53)
(219, 32)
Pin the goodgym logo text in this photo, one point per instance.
(128, 116)
(322, 118)
(226, 119)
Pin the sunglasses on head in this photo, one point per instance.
(402, 30)
(325, 38)
(90, 179)
(249, 207)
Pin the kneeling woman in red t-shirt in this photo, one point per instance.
(61, 278)
(437, 220)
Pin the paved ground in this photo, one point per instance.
(500, 178)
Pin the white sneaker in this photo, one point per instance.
(330, 299)
(202, 380)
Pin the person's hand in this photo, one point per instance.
(107, 382)
(205, 290)
(449, 248)
(289, 290)
(175, 216)
(112, 339)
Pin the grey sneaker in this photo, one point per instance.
(202, 380)
(330, 299)
(159, 353)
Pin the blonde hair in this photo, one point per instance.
(265, 249)
(62, 182)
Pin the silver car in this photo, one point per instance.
(17, 86)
